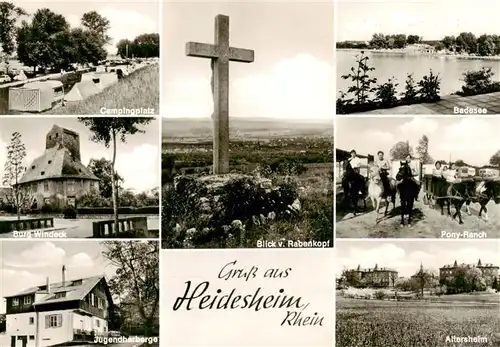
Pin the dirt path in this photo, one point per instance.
(427, 223)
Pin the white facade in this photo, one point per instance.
(21, 324)
(54, 327)
(86, 323)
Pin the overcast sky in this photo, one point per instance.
(474, 140)
(431, 19)
(292, 76)
(137, 161)
(128, 19)
(28, 264)
(406, 256)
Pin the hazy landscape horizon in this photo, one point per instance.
(178, 129)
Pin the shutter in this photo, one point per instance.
(59, 320)
(47, 322)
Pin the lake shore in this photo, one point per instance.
(437, 55)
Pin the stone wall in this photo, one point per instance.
(67, 138)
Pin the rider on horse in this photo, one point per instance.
(414, 173)
(355, 165)
(383, 166)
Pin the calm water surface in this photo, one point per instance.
(389, 65)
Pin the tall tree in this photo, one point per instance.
(98, 25)
(136, 281)
(95, 35)
(378, 41)
(9, 14)
(449, 42)
(350, 278)
(495, 159)
(424, 278)
(88, 48)
(412, 39)
(109, 130)
(102, 168)
(400, 150)
(486, 45)
(423, 150)
(393, 278)
(45, 42)
(14, 168)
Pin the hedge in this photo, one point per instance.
(121, 210)
(109, 210)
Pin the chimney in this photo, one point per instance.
(48, 285)
(64, 275)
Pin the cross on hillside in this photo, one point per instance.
(221, 54)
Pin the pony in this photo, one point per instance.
(353, 183)
(376, 191)
(408, 191)
(483, 193)
(439, 193)
(462, 193)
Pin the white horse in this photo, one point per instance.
(376, 191)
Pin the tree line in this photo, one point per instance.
(463, 280)
(402, 149)
(465, 42)
(49, 42)
(144, 46)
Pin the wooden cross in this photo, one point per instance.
(221, 54)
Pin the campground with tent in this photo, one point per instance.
(51, 92)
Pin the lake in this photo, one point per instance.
(388, 65)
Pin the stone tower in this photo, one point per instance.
(67, 138)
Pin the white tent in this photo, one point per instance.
(81, 91)
(20, 76)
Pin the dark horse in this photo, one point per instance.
(353, 184)
(454, 193)
(408, 191)
(490, 191)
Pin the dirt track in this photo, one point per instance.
(427, 222)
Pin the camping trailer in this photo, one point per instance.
(36, 96)
(466, 171)
(489, 172)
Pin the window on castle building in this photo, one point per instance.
(71, 186)
(59, 187)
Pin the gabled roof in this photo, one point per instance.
(62, 165)
(73, 292)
